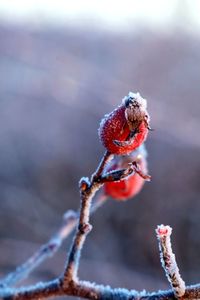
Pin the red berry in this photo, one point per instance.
(131, 186)
(125, 128)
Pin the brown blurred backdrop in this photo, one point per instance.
(55, 85)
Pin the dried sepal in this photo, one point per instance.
(125, 177)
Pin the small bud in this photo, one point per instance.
(84, 183)
(85, 228)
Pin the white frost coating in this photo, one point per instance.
(168, 260)
(136, 96)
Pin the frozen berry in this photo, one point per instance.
(125, 128)
(132, 185)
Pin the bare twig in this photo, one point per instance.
(99, 171)
(45, 251)
(168, 260)
(87, 192)
(70, 220)
(87, 290)
(91, 291)
(118, 175)
(83, 229)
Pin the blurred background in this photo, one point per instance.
(63, 65)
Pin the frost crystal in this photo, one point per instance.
(136, 96)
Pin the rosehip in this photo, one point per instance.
(125, 128)
(131, 186)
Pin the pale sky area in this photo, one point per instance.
(114, 15)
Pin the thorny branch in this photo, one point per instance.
(68, 283)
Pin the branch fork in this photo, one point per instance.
(68, 283)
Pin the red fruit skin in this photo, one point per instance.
(115, 127)
(128, 188)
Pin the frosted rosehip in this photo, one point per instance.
(125, 128)
(131, 186)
